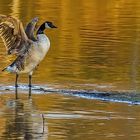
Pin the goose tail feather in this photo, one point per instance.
(9, 69)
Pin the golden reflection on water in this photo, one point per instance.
(15, 8)
(95, 42)
(66, 118)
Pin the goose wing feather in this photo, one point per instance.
(31, 28)
(13, 35)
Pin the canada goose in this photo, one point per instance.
(29, 49)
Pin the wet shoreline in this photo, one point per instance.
(130, 97)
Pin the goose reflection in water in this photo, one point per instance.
(24, 122)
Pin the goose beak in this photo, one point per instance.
(53, 26)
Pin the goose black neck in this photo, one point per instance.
(41, 29)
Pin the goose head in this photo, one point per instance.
(49, 24)
(45, 25)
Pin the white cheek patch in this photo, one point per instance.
(47, 26)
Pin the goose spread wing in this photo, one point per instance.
(13, 35)
(31, 28)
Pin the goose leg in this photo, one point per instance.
(16, 86)
(30, 85)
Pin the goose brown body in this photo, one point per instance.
(36, 54)
(30, 49)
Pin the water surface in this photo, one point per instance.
(94, 53)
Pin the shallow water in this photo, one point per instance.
(66, 117)
(88, 84)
